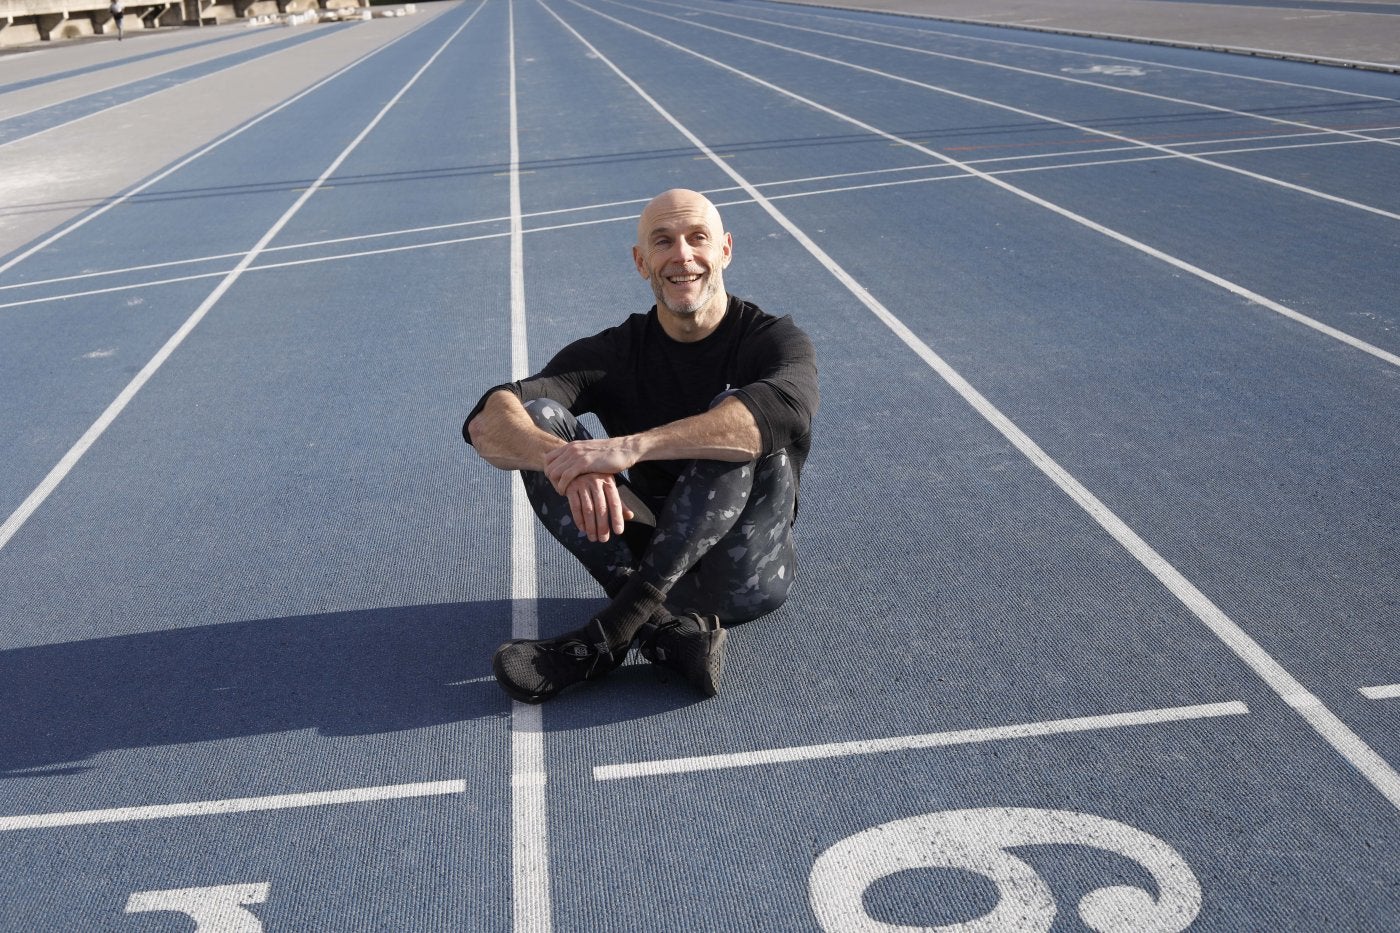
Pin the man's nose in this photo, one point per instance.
(681, 250)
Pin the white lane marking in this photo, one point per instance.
(1080, 219)
(1127, 71)
(1346, 742)
(1035, 115)
(845, 189)
(904, 169)
(922, 31)
(234, 805)
(76, 452)
(532, 910)
(1388, 692)
(121, 199)
(903, 743)
(1060, 77)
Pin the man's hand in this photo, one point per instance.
(608, 455)
(597, 509)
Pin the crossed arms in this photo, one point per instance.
(505, 437)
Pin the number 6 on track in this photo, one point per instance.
(214, 910)
(977, 841)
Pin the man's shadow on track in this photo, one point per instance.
(343, 673)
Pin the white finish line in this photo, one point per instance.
(908, 742)
(236, 805)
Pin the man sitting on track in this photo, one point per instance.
(684, 513)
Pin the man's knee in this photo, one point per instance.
(763, 595)
(549, 415)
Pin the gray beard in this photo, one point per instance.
(686, 310)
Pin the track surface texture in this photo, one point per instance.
(1095, 620)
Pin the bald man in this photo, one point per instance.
(683, 513)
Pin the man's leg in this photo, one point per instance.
(746, 508)
(748, 572)
(609, 562)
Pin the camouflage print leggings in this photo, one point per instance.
(720, 543)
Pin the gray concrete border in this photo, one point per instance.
(1368, 41)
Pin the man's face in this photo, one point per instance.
(682, 250)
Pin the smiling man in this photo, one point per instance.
(683, 513)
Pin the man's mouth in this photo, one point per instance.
(683, 279)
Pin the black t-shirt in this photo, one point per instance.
(634, 377)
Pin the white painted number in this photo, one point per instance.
(214, 910)
(977, 841)
(1128, 70)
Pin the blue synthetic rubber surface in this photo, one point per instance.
(279, 570)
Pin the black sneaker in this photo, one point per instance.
(535, 671)
(692, 645)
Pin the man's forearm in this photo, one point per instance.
(505, 436)
(726, 432)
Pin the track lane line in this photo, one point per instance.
(55, 476)
(234, 805)
(1183, 265)
(531, 909)
(1375, 769)
(337, 257)
(1070, 52)
(1054, 77)
(408, 231)
(1387, 692)
(776, 756)
(1046, 118)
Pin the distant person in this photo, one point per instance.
(684, 513)
(118, 10)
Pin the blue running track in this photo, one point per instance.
(1096, 619)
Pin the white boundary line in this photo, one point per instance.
(1051, 157)
(1326, 723)
(1068, 214)
(76, 452)
(1053, 77)
(1034, 115)
(776, 756)
(63, 232)
(1387, 692)
(237, 805)
(531, 909)
(818, 192)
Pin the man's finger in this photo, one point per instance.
(582, 509)
(616, 513)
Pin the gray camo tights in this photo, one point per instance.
(722, 539)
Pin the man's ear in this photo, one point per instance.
(728, 249)
(637, 259)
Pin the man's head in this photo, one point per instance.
(682, 250)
